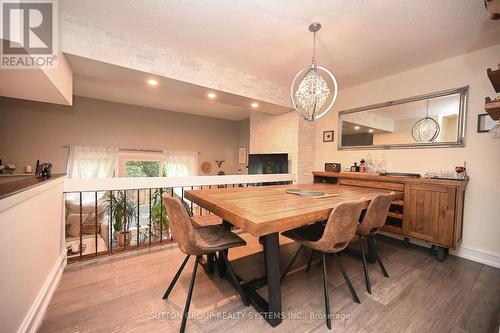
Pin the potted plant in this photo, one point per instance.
(123, 212)
(159, 218)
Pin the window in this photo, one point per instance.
(181, 163)
(98, 162)
(140, 164)
(91, 162)
(142, 169)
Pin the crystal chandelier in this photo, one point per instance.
(426, 129)
(309, 98)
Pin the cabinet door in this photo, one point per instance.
(429, 213)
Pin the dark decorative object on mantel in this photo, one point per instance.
(333, 167)
(43, 170)
(328, 136)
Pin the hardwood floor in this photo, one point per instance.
(124, 294)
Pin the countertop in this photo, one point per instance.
(9, 188)
(390, 179)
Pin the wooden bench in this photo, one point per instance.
(204, 220)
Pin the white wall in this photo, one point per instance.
(44, 85)
(482, 152)
(285, 133)
(32, 130)
(32, 256)
(244, 142)
(275, 134)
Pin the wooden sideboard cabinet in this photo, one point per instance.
(428, 209)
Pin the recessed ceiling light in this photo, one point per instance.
(211, 95)
(152, 82)
(255, 105)
(370, 130)
(356, 127)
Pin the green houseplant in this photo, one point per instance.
(123, 211)
(159, 215)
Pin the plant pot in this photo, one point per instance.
(123, 238)
(164, 231)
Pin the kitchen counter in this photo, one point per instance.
(14, 184)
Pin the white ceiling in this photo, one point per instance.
(104, 81)
(359, 41)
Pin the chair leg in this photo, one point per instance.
(210, 263)
(309, 262)
(176, 277)
(365, 269)
(190, 294)
(347, 280)
(327, 296)
(371, 242)
(233, 277)
(287, 269)
(220, 265)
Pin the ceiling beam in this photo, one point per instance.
(86, 39)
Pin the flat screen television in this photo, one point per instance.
(267, 163)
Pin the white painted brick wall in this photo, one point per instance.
(87, 39)
(285, 133)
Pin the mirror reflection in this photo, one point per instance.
(431, 120)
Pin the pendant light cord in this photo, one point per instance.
(314, 49)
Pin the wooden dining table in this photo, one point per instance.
(265, 211)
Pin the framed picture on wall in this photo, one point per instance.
(242, 155)
(484, 123)
(328, 136)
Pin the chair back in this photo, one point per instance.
(180, 223)
(340, 227)
(376, 213)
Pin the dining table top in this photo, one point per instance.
(262, 210)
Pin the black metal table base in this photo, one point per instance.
(208, 264)
(269, 309)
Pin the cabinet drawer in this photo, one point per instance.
(373, 184)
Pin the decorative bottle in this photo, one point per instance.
(362, 166)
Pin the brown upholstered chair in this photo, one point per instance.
(205, 240)
(332, 238)
(373, 219)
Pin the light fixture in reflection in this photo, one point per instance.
(255, 105)
(152, 82)
(370, 130)
(356, 127)
(211, 95)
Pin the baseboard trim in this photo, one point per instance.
(475, 254)
(478, 255)
(35, 315)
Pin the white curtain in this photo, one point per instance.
(181, 163)
(92, 162)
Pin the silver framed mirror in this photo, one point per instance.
(426, 121)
